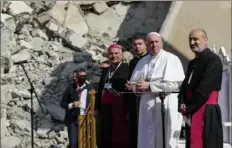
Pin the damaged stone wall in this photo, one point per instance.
(54, 38)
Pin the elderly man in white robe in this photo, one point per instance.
(160, 71)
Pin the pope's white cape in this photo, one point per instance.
(167, 70)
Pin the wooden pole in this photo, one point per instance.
(80, 131)
(93, 122)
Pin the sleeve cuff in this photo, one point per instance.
(70, 105)
(153, 88)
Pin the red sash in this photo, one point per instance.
(119, 131)
(107, 98)
(197, 121)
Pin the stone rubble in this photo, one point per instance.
(54, 38)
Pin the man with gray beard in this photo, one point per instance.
(198, 97)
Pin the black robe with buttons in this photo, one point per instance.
(199, 92)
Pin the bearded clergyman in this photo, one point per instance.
(198, 98)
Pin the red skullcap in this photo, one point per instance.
(114, 46)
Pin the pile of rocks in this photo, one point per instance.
(54, 38)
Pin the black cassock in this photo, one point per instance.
(199, 92)
(113, 109)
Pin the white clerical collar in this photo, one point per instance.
(157, 55)
(80, 87)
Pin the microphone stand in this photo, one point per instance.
(162, 97)
(32, 90)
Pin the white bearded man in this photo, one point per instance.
(160, 71)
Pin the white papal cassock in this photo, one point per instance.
(164, 72)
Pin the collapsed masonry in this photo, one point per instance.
(55, 38)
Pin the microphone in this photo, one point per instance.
(21, 62)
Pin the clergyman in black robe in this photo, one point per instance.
(198, 97)
(140, 50)
(111, 107)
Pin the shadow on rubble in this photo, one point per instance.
(135, 21)
(55, 85)
(58, 80)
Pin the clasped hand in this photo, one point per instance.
(76, 104)
(183, 109)
(140, 86)
(128, 86)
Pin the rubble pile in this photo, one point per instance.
(52, 38)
